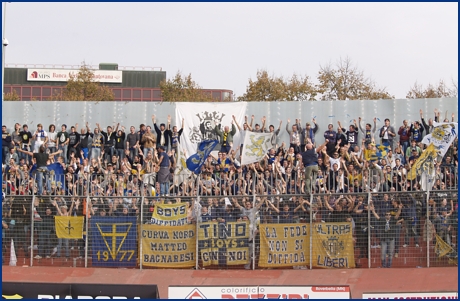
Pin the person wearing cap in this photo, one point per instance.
(163, 133)
(63, 141)
(308, 132)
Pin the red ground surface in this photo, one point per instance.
(359, 280)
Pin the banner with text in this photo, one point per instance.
(284, 245)
(333, 245)
(168, 246)
(201, 119)
(224, 243)
(170, 214)
(114, 241)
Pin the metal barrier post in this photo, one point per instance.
(87, 230)
(140, 229)
(311, 231)
(427, 220)
(32, 231)
(197, 224)
(369, 229)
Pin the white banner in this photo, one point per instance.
(436, 295)
(259, 292)
(255, 147)
(62, 75)
(443, 135)
(181, 172)
(202, 118)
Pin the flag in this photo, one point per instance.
(114, 241)
(255, 147)
(197, 160)
(200, 119)
(381, 151)
(424, 164)
(70, 227)
(13, 258)
(57, 174)
(444, 133)
(181, 172)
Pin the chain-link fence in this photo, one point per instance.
(256, 221)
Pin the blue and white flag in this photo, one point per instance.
(194, 162)
(57, 175)
(444, 133)
(255, 147)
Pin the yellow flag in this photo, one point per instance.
(424, 163)
(69, 226)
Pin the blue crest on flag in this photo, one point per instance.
(194, 162)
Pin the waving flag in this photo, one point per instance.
(56, 174)
(255, 147)
(194, 162)
(443, 135)
(69, 226)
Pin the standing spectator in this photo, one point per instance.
(387, 133)
(428, 127)
(132, 142)
(386, 231)
(109, 138)
(368, 132)
(163, 173)
(25, 145)
(308, 132)
(40, 136)
(310, 162)
(52, 138)
(404, 133)
(174, 136)
(417, 131)
(84, 141)
(331, 136)
(271, 129)
(16, 136)
(351, 135)
(294, 136)
(163, 133)
(226, 137)
(63, 141)
(62, 211)
(149, 141)
(97, 144)
(74, 142)
(6, 143)
(443, 227)
(141, 132)
(120, 143)
(44, 235)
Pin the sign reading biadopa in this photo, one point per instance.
(259, 292)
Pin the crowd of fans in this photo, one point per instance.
(114, 168)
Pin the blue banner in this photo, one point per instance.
(114, 241)
(194, 162)
(56, 174)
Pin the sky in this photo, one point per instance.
(223, 45)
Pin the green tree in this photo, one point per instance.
(12, 96)
(82, 87)
(432, 91)
(183, 88)
(271, 88)
(345, 82)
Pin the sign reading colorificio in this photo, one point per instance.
(63, 75)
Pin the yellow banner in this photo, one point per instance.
(283, 245)
(69, 226)
(333, 245)
(170, 214)
(224, 243)
(168, 246)
(425, 163)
